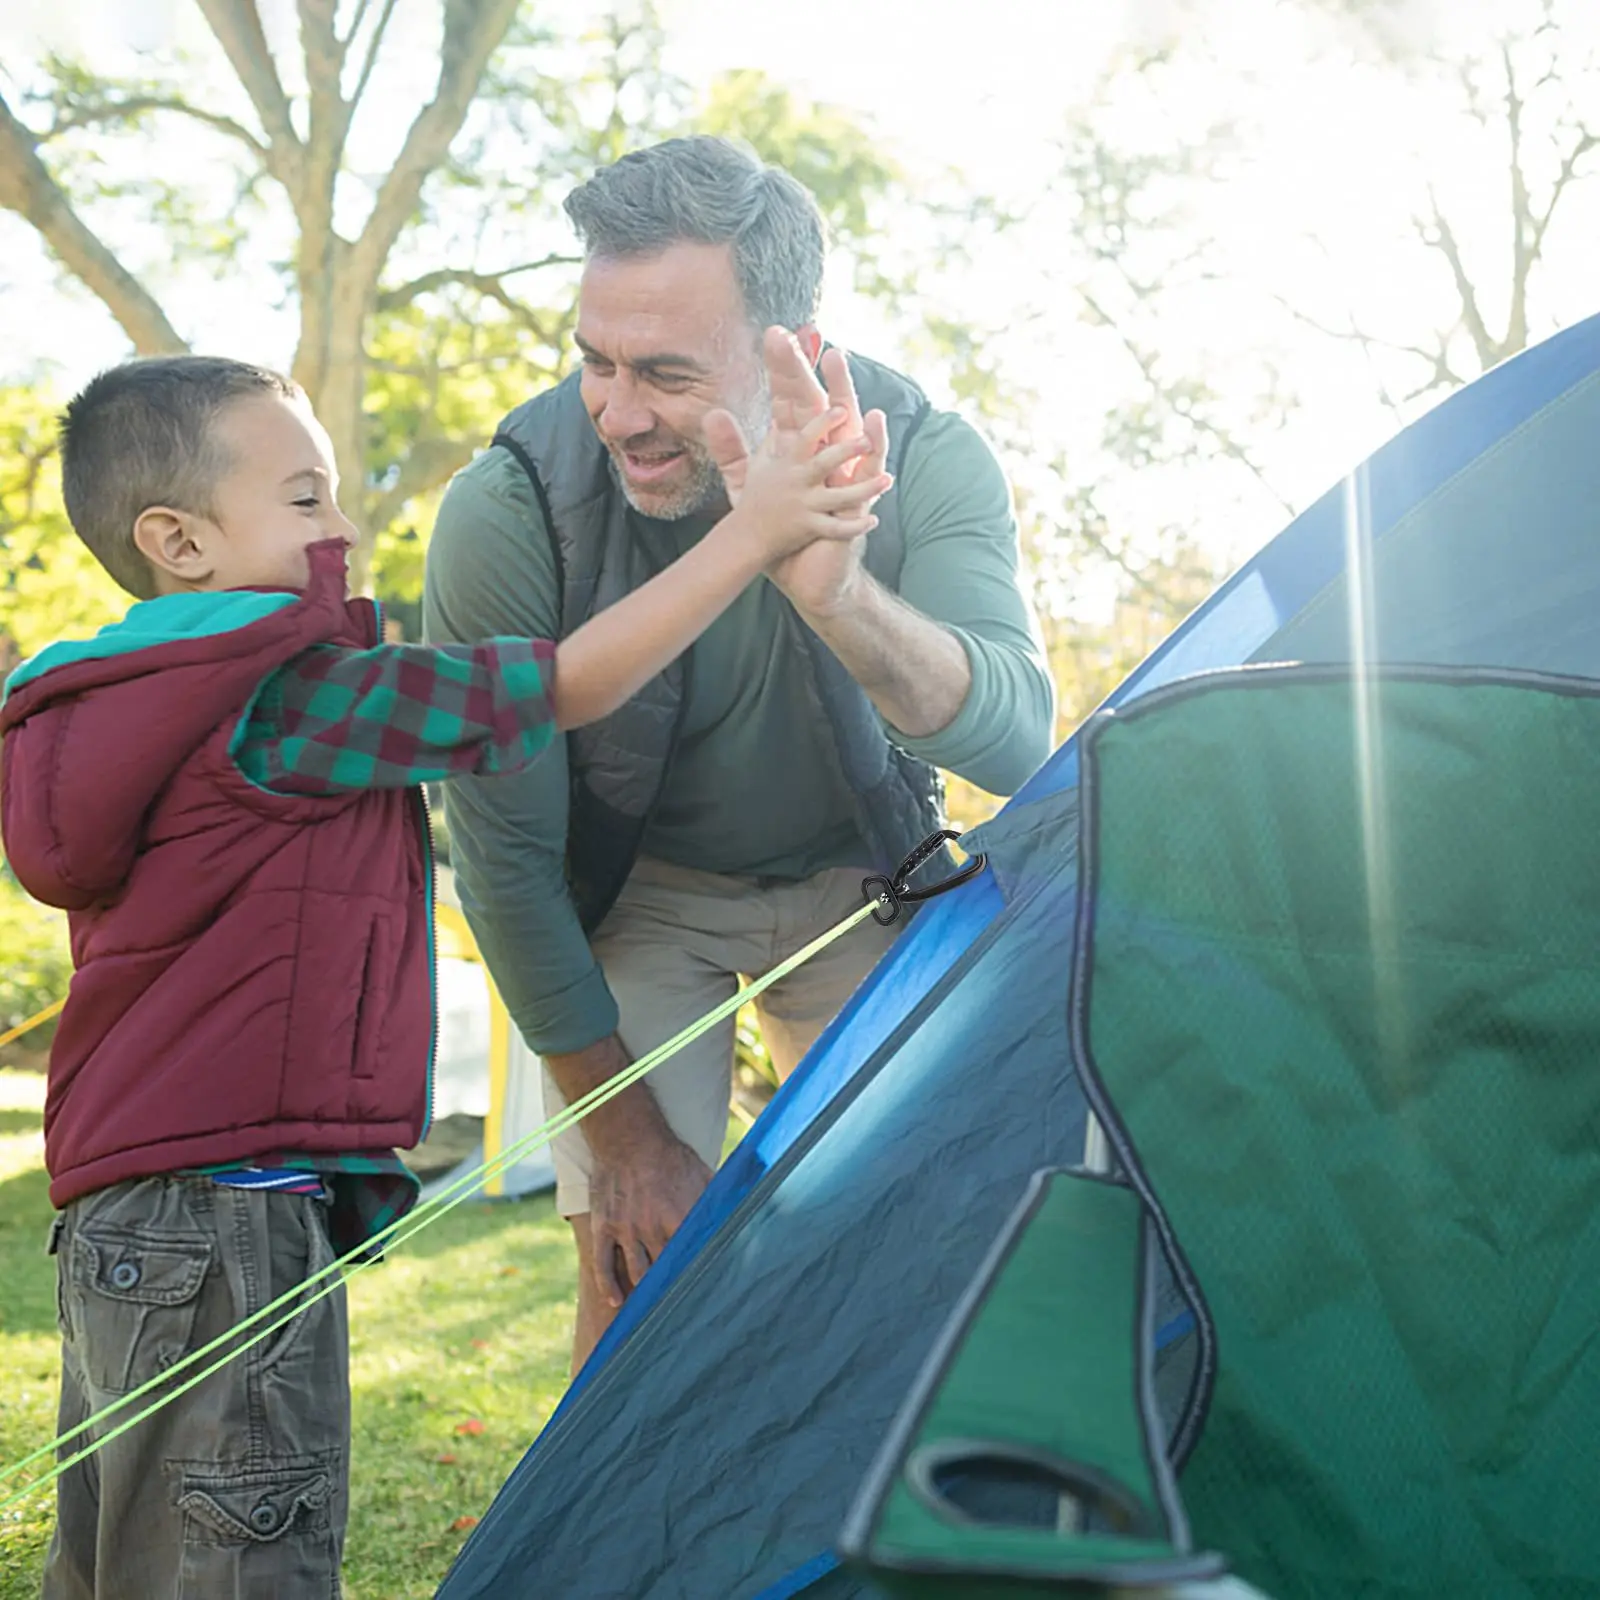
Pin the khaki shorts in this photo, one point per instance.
(673, 947)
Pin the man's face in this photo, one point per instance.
(277, 496)
(665, 339)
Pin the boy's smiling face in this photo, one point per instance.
(272, 499)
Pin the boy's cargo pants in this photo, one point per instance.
(240, 1487)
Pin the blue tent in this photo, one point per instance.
(712, 1446)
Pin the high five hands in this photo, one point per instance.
(820, 578)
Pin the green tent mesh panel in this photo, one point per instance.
(1337, 1005)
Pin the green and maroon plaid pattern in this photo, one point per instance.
(337, 719)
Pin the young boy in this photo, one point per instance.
(223, 792)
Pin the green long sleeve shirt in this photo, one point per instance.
(752, 789)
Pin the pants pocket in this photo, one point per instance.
(299, 1248)
(261, 1531)
(135, 1293)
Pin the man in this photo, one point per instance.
(728, 814)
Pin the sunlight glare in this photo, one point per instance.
(1370, 774)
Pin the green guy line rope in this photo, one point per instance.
(396, 1233)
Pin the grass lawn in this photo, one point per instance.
(460, 1345)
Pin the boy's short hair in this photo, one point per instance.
(142, 434)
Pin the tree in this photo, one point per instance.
(1130, 479)
(1524, 95)
(1151, 279)
(1183, 407)
(299, 144)
(427, 298)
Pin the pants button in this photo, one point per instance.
(264, 1519)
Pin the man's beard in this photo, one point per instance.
(704, 486)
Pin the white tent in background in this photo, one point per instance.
(482, 1068)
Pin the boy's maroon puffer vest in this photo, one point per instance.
(253, 970)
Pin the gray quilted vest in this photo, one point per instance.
(603, 550)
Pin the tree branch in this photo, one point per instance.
(472, 31)
(237, 27)
(1585, 143)
(491, 284)
(1221, 436)
(1438, 360)
(128, 108)
(1093, 530)
(327, 128)
(428, 463)
(373, 47)
(27, 188)
(324, 53)
(1441, 237)
(362, 7)
(1521, 212)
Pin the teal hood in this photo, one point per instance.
(169, 619)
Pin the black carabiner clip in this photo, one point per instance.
(887, 896)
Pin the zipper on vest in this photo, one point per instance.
(425, 838)
(425, 826)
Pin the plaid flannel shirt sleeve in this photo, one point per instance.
(334, 720)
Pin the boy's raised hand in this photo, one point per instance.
(782, 489)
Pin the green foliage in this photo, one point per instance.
(50, 586)
(49, 583)
(442, 372)
(35, 962)
(755, 1079)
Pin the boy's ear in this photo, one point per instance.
(175, 543)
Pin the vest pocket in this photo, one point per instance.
(339, 1018)
(373, 997)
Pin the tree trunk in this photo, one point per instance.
(331, 365)
(27, 188)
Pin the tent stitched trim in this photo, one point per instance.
(1201, 1382)
(861, 1530)
(874, 1492)
(1265, 675)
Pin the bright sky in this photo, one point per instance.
(985, 87)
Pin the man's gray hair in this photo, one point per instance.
(710, 190)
